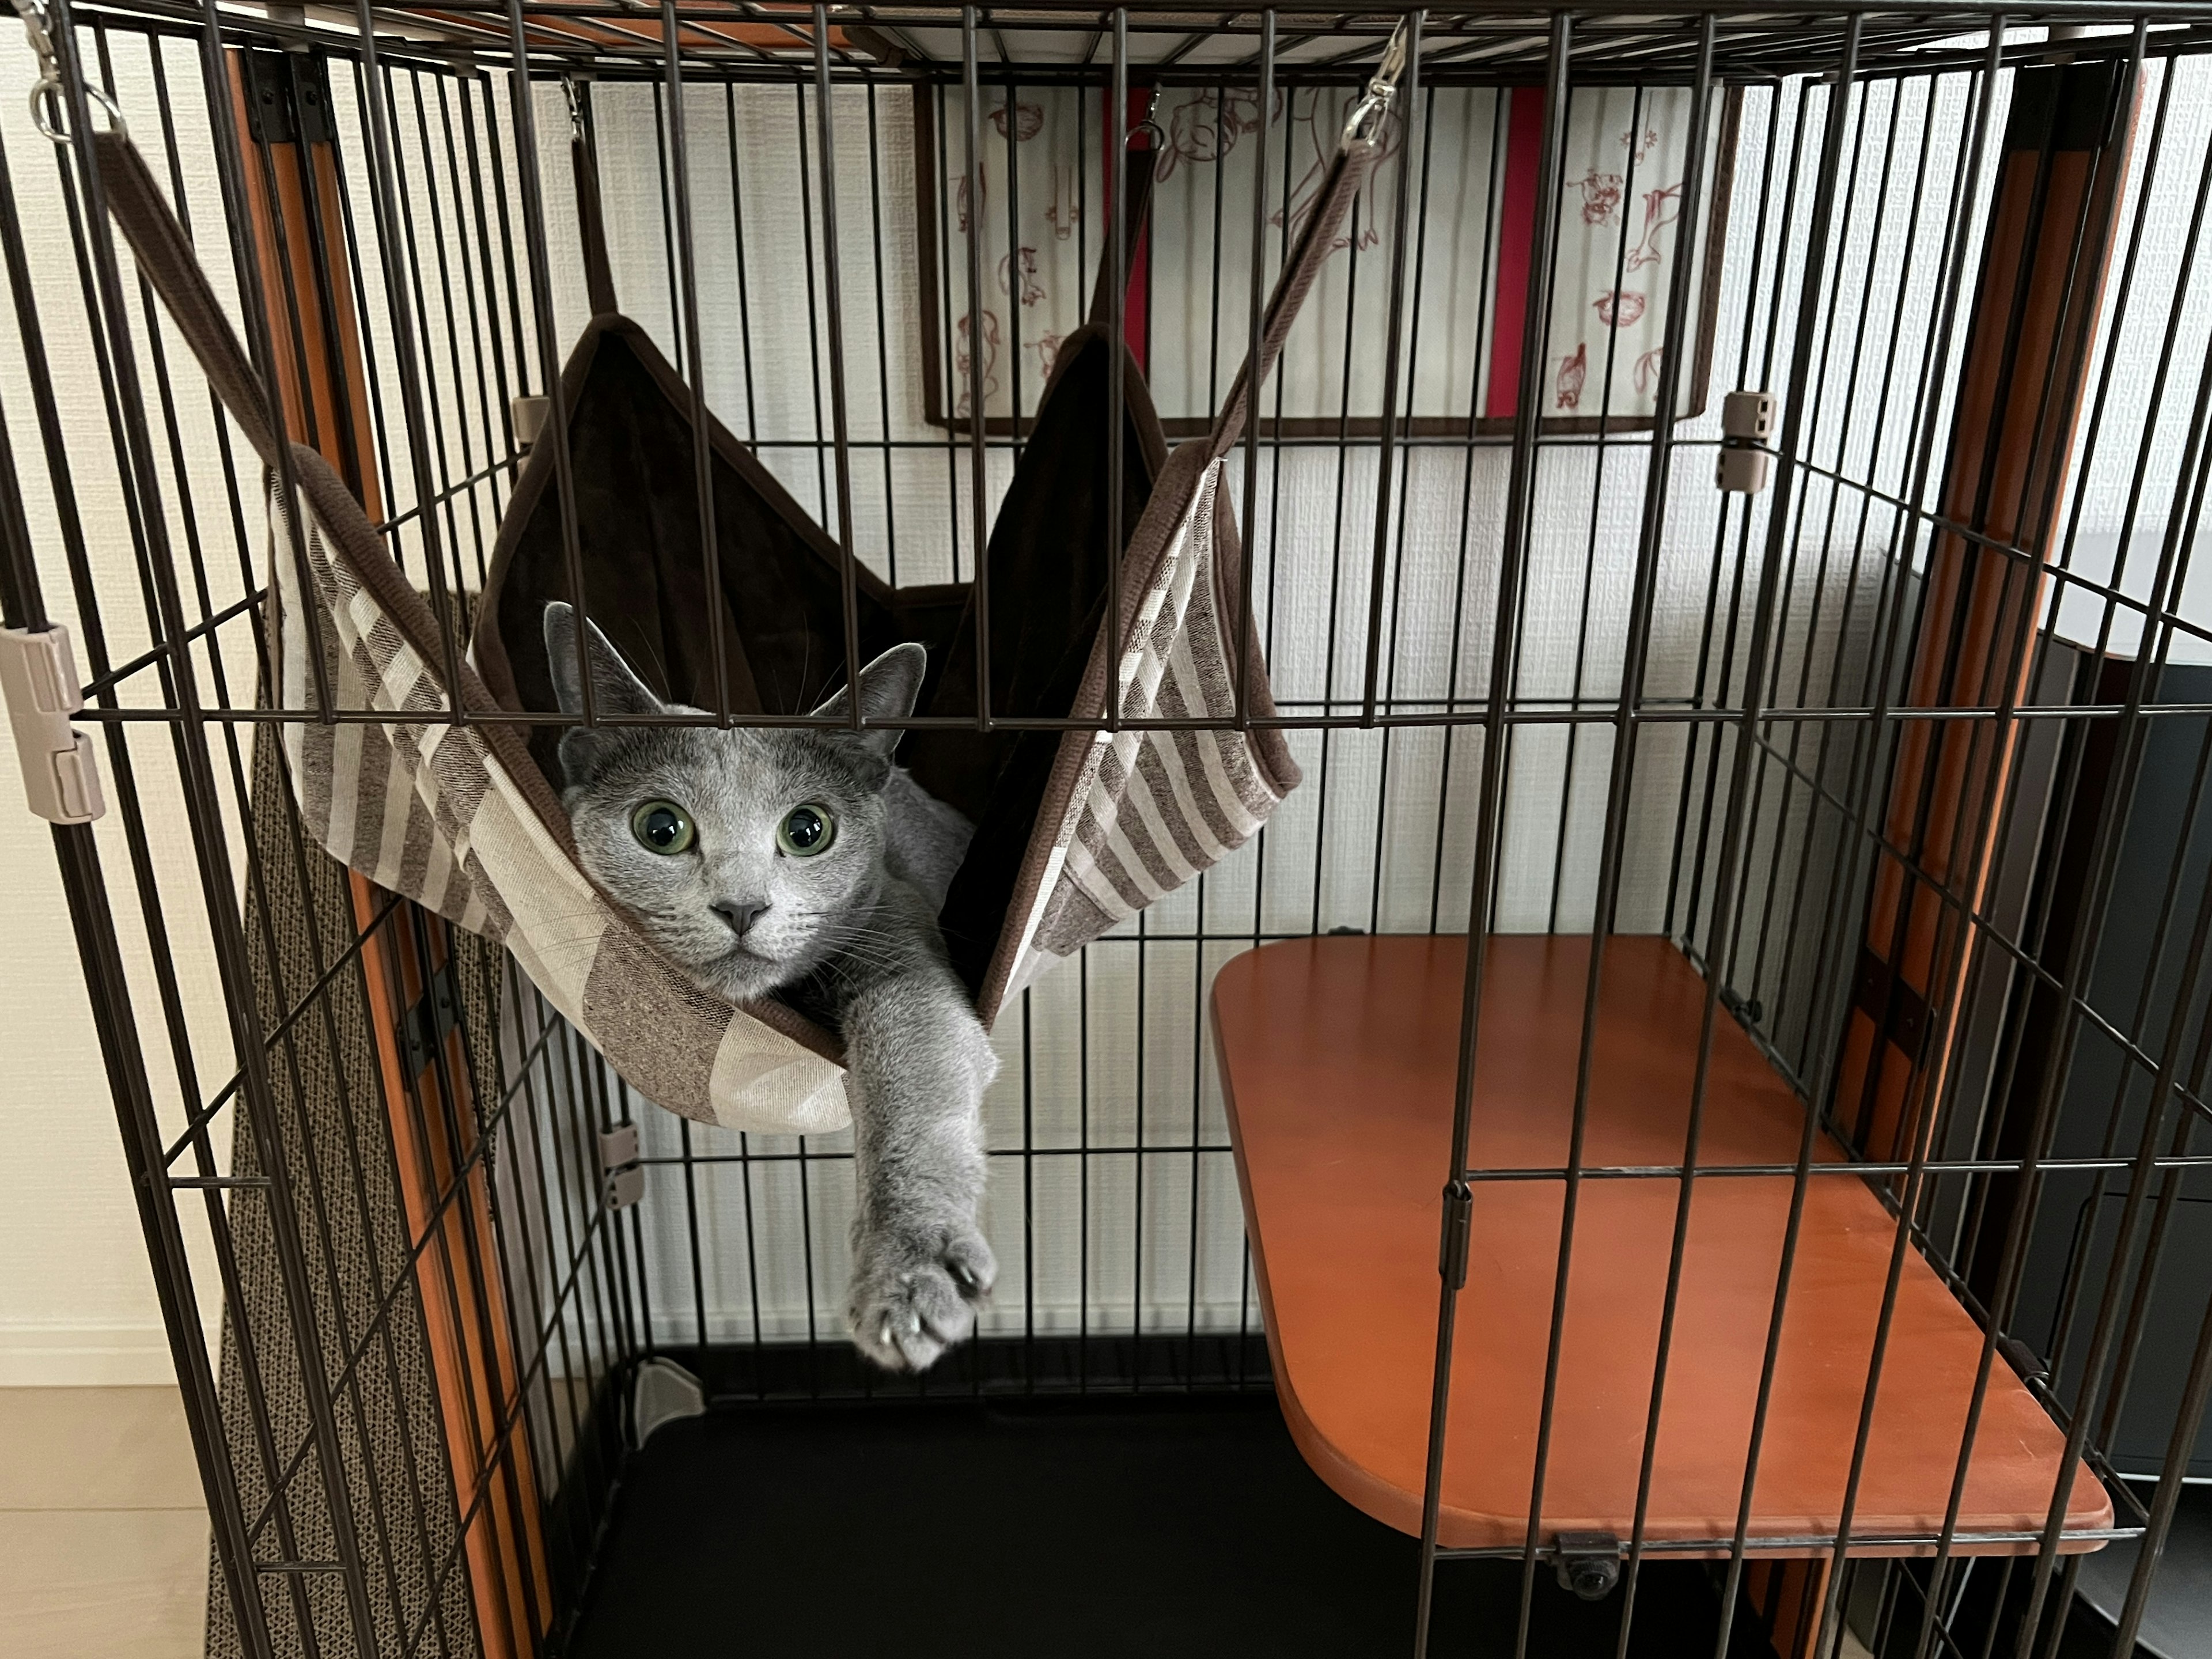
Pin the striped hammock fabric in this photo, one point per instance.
(458, 819)
(1131, 816)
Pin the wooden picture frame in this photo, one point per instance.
(1517, 122)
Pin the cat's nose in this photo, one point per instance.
(740, 914)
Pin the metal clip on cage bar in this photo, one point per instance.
(1746, 422)
(1149, 126)
(621, 1173)
(1371, 111)
(37, 679)
(50, 77)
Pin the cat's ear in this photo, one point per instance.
(889, 688)
(616, 690)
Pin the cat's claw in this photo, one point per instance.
(913, 1297)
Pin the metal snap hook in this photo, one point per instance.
(46, 83)
(1365, 121)
(50, 79)
(1148, 124)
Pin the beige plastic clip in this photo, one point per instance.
(1744, 463)
(530, 415)
(1748, 415)
(38, 678)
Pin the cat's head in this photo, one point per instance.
(748, 857)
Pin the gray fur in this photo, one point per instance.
(850, 935)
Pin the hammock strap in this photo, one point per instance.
(1310, 250)
(166, 258)
(591, 220)
(1136, 209)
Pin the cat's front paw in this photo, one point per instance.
(914, 1295)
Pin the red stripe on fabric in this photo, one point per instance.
(1517, 236)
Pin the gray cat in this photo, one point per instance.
(802, 863)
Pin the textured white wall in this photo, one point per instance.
(77, 1300)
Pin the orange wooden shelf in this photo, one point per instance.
(1338, 1057)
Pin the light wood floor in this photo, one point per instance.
(103, 1536)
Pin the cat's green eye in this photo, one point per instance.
(806, 830)
(662, 826)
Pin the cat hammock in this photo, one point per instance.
(462, 817)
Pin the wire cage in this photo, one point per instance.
(1721, 535)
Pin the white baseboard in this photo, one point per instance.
(83, 1356)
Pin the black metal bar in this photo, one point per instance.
(230, 170)
(972, 110)
(1569, 771)
(1115, 171)
(107, 989)
(209, 837)
(1795, 417)
(814, 447)
(883, 339)
(1656, 481)
(1490, 810)
(1408, 99)
(695, 363)
(128, 800)
(1254, 306)
(541, 293)
(1926, 1115)
(833, 295)
(400, 274)
(2189, 1416)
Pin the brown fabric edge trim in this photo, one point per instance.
(1270, 745)
(136, 202)
(1348, 169)
(591, 220)
(1137, 400)
(1136, 215)
(354, 539)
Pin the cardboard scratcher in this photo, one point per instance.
(1076, 830)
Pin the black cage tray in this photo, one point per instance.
(1180, 1526)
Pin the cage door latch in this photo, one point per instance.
(1459, 1225)
(38, 678)
(622, 1180)
(431, 1021)
(1588, 1563)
